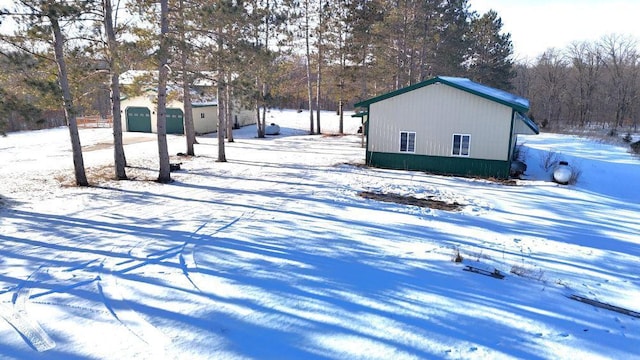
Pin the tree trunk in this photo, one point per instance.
(264, 106)
(69, 111)
(319, 67)
(308, 57)
(164, 175)
(118, 146)
(220, 84)
(229, 107)
(341, 110)
(222, 114)
(259, 122)
(189, 127)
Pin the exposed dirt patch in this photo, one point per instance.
(109, 144)
(411, 200)
(507, 182)
(98, 175)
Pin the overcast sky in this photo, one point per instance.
(536, 25)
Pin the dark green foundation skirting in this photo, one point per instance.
(461, 166)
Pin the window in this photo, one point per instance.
(461, 144)
(201, 115)
(407, 141)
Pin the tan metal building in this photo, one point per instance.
(139, 112)
(139, 115)
(446, 125)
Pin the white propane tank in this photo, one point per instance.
(562, 173)
(272, 129)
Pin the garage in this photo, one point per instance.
(175, 121)
(138, 119)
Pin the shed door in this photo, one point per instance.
(175, 121)
(138, 119)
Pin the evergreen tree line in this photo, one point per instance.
(594, 85)
(307, 54)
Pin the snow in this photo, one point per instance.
(273, 255)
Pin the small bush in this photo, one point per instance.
(636, 147)
(526, 272)
(550, 160)
(613, 133)
(519, 153)
(575, 175)
(457, 257)
(627, 138)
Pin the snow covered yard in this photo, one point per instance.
(273, 255)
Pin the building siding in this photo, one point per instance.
(439, 164)
(202, 125)
(435, 113)
(209, 123)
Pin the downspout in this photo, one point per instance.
(365, 130)
(511, 147)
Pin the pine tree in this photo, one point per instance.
(25, 89)
(164, 175)
(114, 68)
(307, 41)
(491, 50)
(451, 37)
(185, 12)
(43, 21)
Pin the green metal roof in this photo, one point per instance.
(204, 104)
(515, 102)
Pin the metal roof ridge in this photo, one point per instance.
(497, 95)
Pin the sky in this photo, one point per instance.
(275, 254)
(536, 25)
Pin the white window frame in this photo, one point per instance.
(460, 147)
(409, 135)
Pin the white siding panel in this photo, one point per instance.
(208, 123)
(521, 128)
(436, 112)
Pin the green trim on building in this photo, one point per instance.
(459, 166)
(496, 95)
(511, 135)
(200, 105)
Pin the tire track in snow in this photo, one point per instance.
(108, 287)
(28, 328)
(159, 343)
(18, 317)
(188, 249)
